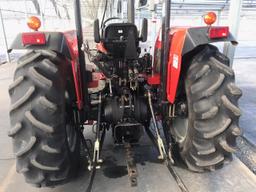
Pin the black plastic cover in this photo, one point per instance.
(199, 36)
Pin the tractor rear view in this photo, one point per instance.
(187, 85)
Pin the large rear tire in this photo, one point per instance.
(43, 127)
(206, 137)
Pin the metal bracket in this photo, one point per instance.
(160, 142)
(96, 151)
(131, 165)
(161, 148)
(170, 154)
(96, 156)
(172, 111)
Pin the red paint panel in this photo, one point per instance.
(177, 37)
(154, 79)
(100, 47)
(158, 44)
(72, 43)
(79, 100)
(71, 39)
(96, 77)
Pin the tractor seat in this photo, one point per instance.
(115, 37)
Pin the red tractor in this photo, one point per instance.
(187, 84)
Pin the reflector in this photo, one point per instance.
(33, 38)
(218, 32)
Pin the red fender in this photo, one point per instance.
(177, 37)
(182, 41)
(73, 48)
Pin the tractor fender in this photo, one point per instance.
(183, 41)
(55, 41)
(199, 36)
(64, 44)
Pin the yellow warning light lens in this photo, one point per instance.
(210, 18)
(34, 23)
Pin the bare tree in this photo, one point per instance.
(37, 6)
(54, 3)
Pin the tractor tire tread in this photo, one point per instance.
(229, 105)
(28, 146)
(39, 78)
(38, 122)
(16, 83)
(234, 90)
(212, 98)
(23, 99)
(14, 130)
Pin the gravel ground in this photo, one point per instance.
(246, 153)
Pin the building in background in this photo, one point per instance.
(57, 15)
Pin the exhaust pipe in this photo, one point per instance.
(131, 11)
(165, 47)
(164, 67)
(79, 33)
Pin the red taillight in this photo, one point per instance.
(33, 39)
(218, 32)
